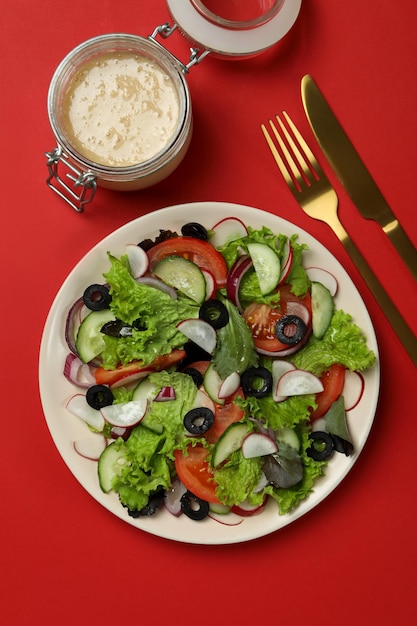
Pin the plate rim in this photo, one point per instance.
(109, 501)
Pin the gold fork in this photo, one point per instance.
(317, 198)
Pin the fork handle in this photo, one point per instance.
(398, 323)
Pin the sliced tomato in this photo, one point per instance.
(195, 472)
(262, 319)
(224, 416)
(333, 381)
(200, 252)
(110, 377)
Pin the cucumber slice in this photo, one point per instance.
(89, 342)
(212, 383)
(145, 390)
(288, 436)
(183, 275)
(267, 266)
(322, 308)
(230, 441)
(110, 464)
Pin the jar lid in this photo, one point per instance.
(235, 28)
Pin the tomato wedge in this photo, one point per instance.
(195, 472)
(224, 416)
(262, 319)
(110, 377)
(333, 381)
(199, 251)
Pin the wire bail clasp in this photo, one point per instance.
(165, 31)
(84, 184)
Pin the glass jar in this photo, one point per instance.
(101, 89)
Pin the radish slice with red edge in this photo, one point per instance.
(229, 386)
(132, 378)
(279, 367)
(77, 405)
(173, 495)
(138, 260)
(258, 444)
(120, 431)
(156, 283)
(245, 509)
(125, 414)
(286, 262)
(234, 278)
(353, 389)
(166, 394)
(298, 383)
(200, 332)
(230, 519)
(211, 286)
(227, 230)
(326, 278)
(91, 447)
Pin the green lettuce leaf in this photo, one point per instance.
(154, 313)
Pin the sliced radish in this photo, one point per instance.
(200, 332)
(246, 510)
(202, 399)
(231, 519)
(125, 414)
(300, 310)
(156, 283)
(228, 229)
(211, 286)
(120, 431)
(229, 386)
(138, 260)
(298, 383)
(77, 405)
(91, 447)
(258, 444)
(166, 394)
(279, 367)
(234, 278)
(286, 262)
(132, 378)
(326, 278)
(173, 495)
(353, 389)
(263, 482)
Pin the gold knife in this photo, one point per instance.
(352, 172)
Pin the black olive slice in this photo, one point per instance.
(193, 507)
(256, 381)
(116, 328)
(195, 375)
(290, 329)
(97, 297)
(214, 312)
(199, 420)
(99, 396)
(194, 229)
(342, 445)
(322, 446)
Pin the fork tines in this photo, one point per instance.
(295, 160)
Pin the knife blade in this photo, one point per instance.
(352, 172)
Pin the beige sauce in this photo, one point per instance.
(120, 109)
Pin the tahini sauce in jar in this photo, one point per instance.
(120, 109)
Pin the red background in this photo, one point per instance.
(64, 559)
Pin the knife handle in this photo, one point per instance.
(398, 323)
(403, 245)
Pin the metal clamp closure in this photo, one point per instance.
(84, 184)
(196, 56)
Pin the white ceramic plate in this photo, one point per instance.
(55, 389)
